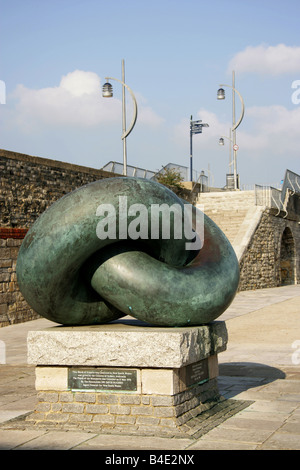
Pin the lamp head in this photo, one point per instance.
(221, 141)
(221, 94)
(107, 90)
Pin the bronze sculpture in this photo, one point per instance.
(70, 275)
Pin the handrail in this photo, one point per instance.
(271, 198)
(274, 191)
(197, 181)
(289, 180)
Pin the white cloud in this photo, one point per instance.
(79, 83)
(146, 115)
(77, 101)
(273, 128)
(263, 59)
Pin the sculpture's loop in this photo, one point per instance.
(71, 274)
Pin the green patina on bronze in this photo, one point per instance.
(70, 276)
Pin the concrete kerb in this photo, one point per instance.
(258, 370)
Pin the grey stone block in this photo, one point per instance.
(123, 345)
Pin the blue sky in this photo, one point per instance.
(55, 56)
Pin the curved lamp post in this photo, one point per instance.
(235, 125)
(107, 92)
(222, 142)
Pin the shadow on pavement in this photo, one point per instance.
(238, 377)
(251, 369)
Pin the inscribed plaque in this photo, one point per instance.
(197, 372)
(102, 379)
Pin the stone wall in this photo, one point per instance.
(28, 186)
(31, 184)
(116, 412)
(13, 307)
(263, 263)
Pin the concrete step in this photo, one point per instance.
(230, 199)
(235, 213)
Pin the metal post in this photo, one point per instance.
(235, 125)
(230, 152)
(124, 121)
(195, 128)
(191, 150)
(107, 92)
(234, 130)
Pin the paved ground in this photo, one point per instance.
(261, 364)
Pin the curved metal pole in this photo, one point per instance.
(126, 133)
(231, 161)
(243, 106)
(235, 124)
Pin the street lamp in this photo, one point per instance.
(231, 161)
(235, 125)
(221, 94)
(107, 92)
(195, 128)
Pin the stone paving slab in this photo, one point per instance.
(14, 438)
(104, 442)
(257, 366)
(7, 415)
(55, 440)
(281, 441)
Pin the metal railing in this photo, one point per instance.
(269, 197)
(116, 167)
(291, 182)
(275, 198)
(262, 195)
(202, 182)
(180, 169)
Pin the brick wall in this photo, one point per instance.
(261, 266)
(131, 413)
(13, 307)
(29, 185)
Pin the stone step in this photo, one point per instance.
(235, 213)
(223, 215)
(228, 194)
(228, 203)
(231, 203)
(229, 199)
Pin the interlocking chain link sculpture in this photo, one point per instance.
(70, 273)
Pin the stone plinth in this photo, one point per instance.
(125, 376)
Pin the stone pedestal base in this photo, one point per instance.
(124, 376)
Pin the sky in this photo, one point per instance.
(56, 54)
